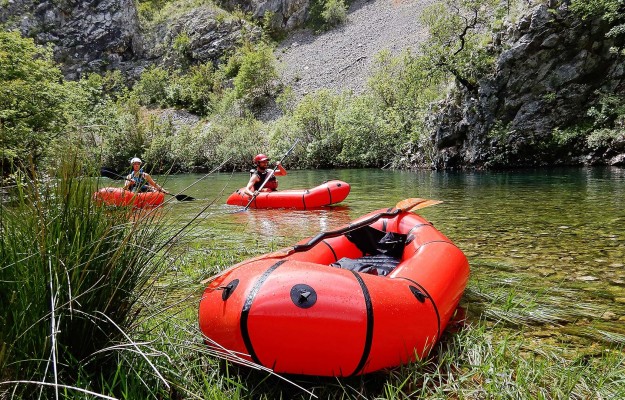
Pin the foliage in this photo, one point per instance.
(151, 89)
(334, 12)
(257, 73)
(241, 138)
(153, 12)
(609, 9)
(404, 89)
(282, 134)
(182, 47)
(73, 277)
(366, 136)
(324, 14)
(604, 127)
(195, 90)
(613, 11)
(315, 119)
(608, 117)
(457, 39)
(31, 100)
(270, 31)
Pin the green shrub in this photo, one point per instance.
(151, 89)
(282, 134)
(257, 74)
(334, 12)
(324, 14)
(315, 118)
(31, 101)
(241, 139)
(194, 90)
(368, 140)
(182, 47)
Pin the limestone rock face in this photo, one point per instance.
(210, 35)
(101, 35)
(551, 67)
(90, 35)
(287, 15)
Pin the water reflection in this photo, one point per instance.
(559, 227)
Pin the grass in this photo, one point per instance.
(73, 281)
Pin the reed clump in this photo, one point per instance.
(73, 280)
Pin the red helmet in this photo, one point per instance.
(259, 158)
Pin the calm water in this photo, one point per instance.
(553, 228)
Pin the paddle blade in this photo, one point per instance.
(415, 203)
(183, 197)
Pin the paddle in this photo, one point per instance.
(270, 175)
(406, 205)
(115, 176)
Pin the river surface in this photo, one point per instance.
(544, 229)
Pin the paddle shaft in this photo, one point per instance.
(270, 175)
(338, 232)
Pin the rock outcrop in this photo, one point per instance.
(90, 35)
(101, 35)
(286, 15)
(553, 66)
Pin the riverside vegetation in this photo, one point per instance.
(94, 303)
(383, 126)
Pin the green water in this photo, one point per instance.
(543, 231)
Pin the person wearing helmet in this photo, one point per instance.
(261, 173)
(139, 181)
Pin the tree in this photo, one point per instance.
(457, 29)
(31, 100)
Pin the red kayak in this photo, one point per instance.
(330, 192)
(115, 196)
(375, 294)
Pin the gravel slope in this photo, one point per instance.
(341, 59)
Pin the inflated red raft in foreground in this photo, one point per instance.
(115, 196)
(374, 294)
(329, 192)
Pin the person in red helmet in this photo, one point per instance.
(260, 174)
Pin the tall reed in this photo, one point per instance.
(73, 277)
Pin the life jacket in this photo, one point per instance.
(139, 182)
(272, 184)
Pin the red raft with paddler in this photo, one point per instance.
(374, 294)
(139, 191)
(262, 189)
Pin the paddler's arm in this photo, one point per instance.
(249, 189)
(279, 171)
(154, 184)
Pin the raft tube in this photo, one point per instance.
(115, 196)
(329, 192)
(296, 314)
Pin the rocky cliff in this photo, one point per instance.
(101, 35)
(553, 66)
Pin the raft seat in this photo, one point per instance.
(381, 251)
(379, 264)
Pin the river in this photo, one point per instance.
(556, 231)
